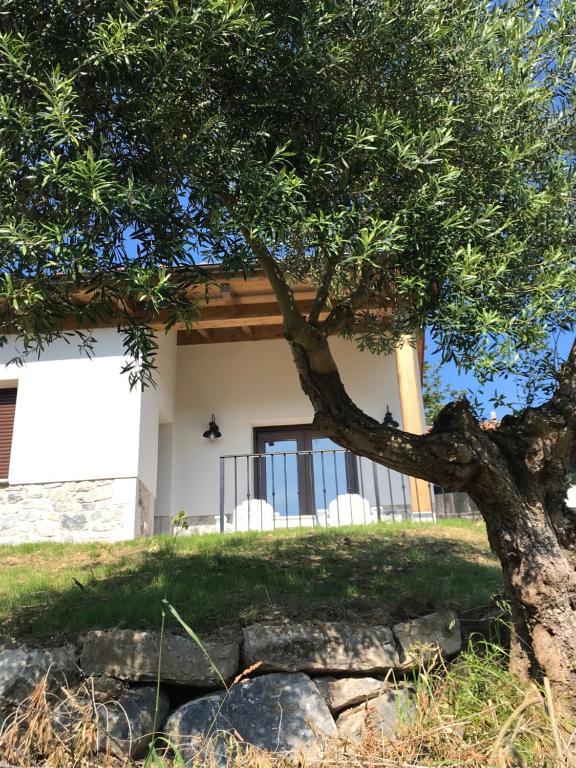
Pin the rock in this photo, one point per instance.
(383, 714)
(124, 726)
(276, 712)
(104, 689)
(7, 643)
(421, 639)
(348, 691)
(132, 655)
(22, 668)
(320, 647)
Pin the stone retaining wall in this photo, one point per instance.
(87, 510)
(307, 685)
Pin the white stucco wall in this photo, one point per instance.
(157, 407)
(164, 510)
(249, 385)
(76, 418)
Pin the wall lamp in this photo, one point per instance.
(213, 431)
(389, 420)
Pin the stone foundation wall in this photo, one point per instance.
(88, 510)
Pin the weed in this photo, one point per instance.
(33, 734)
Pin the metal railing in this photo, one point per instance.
(332, 487)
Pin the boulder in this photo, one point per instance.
(276, 712)
(382, 714)
(348, 691)
(132, 655)
(320, 647)
(22, 668)
(421, 639)
(104, 689)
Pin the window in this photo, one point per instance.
(297, 483)
(7, 412)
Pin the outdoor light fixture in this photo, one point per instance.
(389, 420)
(213, 431)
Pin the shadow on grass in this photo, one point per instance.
(240, 579)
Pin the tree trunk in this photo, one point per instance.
(515, 474)
(540, 586)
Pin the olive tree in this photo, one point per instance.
(411, 159)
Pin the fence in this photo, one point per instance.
(333, 487)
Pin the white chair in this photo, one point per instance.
(350, 509)
(252, 515)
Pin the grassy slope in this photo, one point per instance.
(372, 572)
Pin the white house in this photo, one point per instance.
(82, 457)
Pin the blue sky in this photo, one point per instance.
(507, 387)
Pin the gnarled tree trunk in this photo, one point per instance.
(539, 577)
(515, 474)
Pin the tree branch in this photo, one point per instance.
(444, 458)
(342, 311)
(559, 413)
(323, 292)
(293, 319)
(567, 374)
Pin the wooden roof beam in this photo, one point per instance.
(244, 315)
(249, 298)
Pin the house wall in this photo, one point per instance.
(155, 448)
(69, 511)
(253, 384)
(78, 470)
(92, 459)
(76, 418)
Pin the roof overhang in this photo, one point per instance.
(231, 309)
(241, 309)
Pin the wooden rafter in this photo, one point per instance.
(231, 309)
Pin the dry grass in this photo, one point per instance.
(29, 736)
(472, 714)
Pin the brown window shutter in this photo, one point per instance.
(7, 412)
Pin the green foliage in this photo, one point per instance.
(415, 152)
(436, 394)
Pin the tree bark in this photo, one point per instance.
(515, 475)
(539, 583)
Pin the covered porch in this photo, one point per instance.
(268, 462)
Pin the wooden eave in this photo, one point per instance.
(238, 309)
(232, 309)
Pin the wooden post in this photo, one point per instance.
(409, 385)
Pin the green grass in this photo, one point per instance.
(373, 572)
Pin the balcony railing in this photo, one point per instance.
(286, 489)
